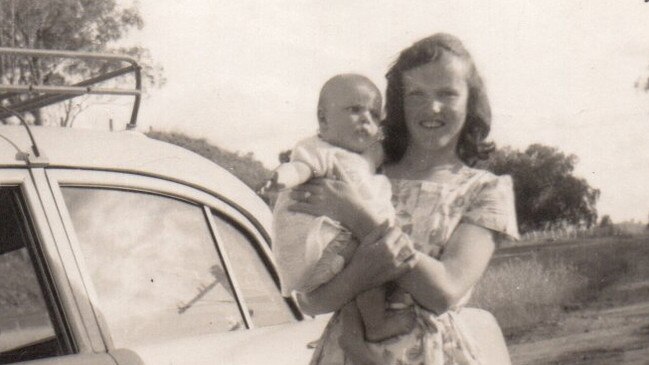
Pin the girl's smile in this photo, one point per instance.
(432, 124)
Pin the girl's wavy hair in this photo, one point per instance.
(471, 145)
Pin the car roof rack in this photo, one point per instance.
(44, 95)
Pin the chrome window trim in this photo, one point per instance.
(77, 304)
(261, 248)
(227, 265)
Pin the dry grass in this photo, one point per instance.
(538, 284)
(522, 292)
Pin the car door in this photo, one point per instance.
(176, 275)
(40, 320)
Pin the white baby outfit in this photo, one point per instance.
(306, 247)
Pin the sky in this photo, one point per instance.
(245, 75)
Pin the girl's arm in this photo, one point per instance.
(374, 263)
(438, 284)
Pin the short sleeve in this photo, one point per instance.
(493, 207)
(313, 154)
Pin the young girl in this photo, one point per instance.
(438, 118)
(310, 250)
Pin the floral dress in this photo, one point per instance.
(429, 213)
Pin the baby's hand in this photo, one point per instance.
(286, 176)
(272, 186)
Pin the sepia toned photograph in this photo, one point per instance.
(324, 182)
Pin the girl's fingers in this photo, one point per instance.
(300, 207)
(394, 240)
(399, 250)
(404, 247)
(338, 173)
(411, 262)
(316, 181)
(312, 188)
(376, 235)
(307, 194)
(401, 269)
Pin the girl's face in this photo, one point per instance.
(435, 102)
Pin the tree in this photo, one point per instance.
(605, 221)
(547, 193)
(74, 25)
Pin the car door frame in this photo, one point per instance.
(49, 255)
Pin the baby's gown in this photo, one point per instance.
(429, 212)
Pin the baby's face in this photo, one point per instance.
(351, 116)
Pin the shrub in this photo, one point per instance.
(245, 167)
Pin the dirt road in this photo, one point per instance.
(616, 335)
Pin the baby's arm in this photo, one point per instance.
(288, 175)
(291, 174)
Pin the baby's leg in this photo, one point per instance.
(380, 323)
(351, 339)
(334, 257)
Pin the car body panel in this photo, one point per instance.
(276, 345)
(78, 359)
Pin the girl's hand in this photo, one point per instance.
(338, 199)
(384, 255)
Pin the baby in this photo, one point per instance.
(309, 250)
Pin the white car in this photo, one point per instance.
(119, 249)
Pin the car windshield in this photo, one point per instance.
(154, 265)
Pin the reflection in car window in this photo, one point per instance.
(154, 265)
(26, 330)
(266, 305)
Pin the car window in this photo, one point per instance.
(265, 304)
(26, 330)
(154, 265)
